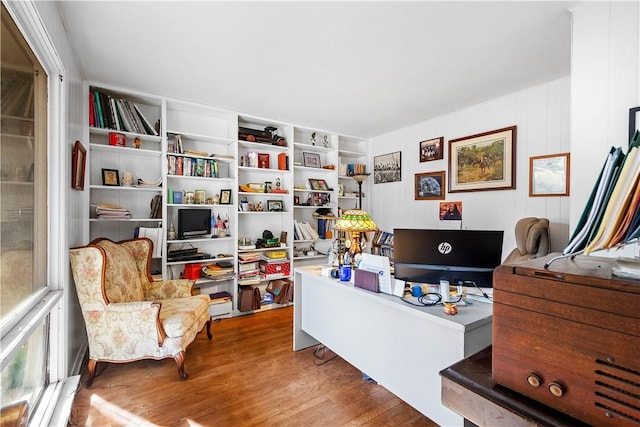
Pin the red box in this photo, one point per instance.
(278, 267)
(118, 139)
(192, 271)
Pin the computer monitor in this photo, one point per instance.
(459, 256)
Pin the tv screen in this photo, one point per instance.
(193, 223)
(428, 256)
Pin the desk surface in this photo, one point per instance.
(468, 318)
(468, 389)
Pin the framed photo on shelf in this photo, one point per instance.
(311, 160)
(430, 186)
(549, 175)
(201, 197)
(432, 149)
(318, 184)
(79, 162)
(263, 161)
(482, 162)
(110, 177)
(275, 206)
(387, 168)
(225, 197)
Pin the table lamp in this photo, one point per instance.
(356, 221)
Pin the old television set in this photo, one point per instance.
(459, 256)
(193, 223)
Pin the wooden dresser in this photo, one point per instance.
(569, 337)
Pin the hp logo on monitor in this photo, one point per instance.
(444, 248)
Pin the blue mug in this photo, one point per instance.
(345, 273)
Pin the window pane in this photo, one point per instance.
(23, 167)
(24, 377)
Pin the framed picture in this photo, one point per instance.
(311, 160)
(79, 162)
(201, 197)
(274, 205)
(432, 149)
(549, 175)
(430, 186)
(110, 177)
(450, 211)
(225, 197)
(318, 184)
(387, 168)
(485, 161)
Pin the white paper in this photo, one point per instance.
(379, 265)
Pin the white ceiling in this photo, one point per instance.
(361, 68)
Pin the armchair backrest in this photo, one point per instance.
(122, 281)
(532, 240)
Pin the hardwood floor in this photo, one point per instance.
(248, 375)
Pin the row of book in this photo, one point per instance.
(383, 251)
(352, 169)
(612, 214)
(382, 238)
(156, 207)
(108, 112)
(303, 231)
(189, 166)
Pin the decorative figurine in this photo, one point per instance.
(326, 141)
(277, 183)
(313, 138)
(136, 142)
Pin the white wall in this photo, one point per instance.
(541, 114)
(604, 85)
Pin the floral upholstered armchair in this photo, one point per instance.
(127, 315)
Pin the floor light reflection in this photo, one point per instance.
(117, 414)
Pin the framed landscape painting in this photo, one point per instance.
(485, 161)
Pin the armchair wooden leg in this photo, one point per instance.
(179, 358)
(209, 330)
(91, 367)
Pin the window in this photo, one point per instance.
(29, 374)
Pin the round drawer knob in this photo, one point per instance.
(556, 389)
(534, 380)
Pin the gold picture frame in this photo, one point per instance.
(549, 175)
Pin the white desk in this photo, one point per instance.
(401, 346)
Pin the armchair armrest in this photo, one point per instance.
(168, 289)
(124, 330)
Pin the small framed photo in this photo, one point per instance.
(432, 149)
(549, 175)
(318, 184)
(110, 177)
(225, 197)
(275, 206)
(450, 211)
(201, 197)
(430, 186)
(311, 160)
(79, 162)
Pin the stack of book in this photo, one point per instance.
(145, 183)
(248, 271)
(156, 207)
(219, 271)
(111, 212)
